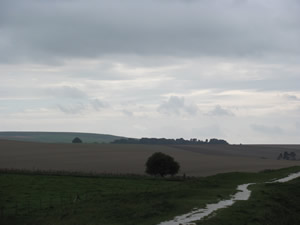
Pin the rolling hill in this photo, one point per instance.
(57, 137)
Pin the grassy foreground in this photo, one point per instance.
(274, 203)
(51, 199)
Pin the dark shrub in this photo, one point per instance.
(161, 164)
(77, 140)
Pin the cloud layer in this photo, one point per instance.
(164, 68)
(50, 31)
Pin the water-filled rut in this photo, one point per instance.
(243, 194)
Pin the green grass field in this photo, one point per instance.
(108, 200)
(276, 204)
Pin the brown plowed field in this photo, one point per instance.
(200, 160)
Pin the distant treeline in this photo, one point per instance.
(165, 141)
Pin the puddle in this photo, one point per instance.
(288, 178)
(198, 214)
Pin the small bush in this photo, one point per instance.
(77, 140)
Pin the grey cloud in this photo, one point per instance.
(297, 125)
(275, 82)
(53, 30)
(219, 111)
(66, 92)
(268, 130)
(79, 107)
(127, 113)
(240, 2)
(191, 109)
(173, 105)
(72, 108)
(283, 83)
(177, 105)
(291, 97)
(98, 104)
(297, 110)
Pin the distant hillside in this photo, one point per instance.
(58, 137)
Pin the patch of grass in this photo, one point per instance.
(270, 203)
(45, 199)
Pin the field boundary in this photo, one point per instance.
(38, 172)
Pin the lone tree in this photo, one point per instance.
(161, 164)
(77, 140)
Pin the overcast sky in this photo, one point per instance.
(152, 68)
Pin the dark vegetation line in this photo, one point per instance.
(68, 173)
(287, 156)
(39, 172)
(165, 141)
